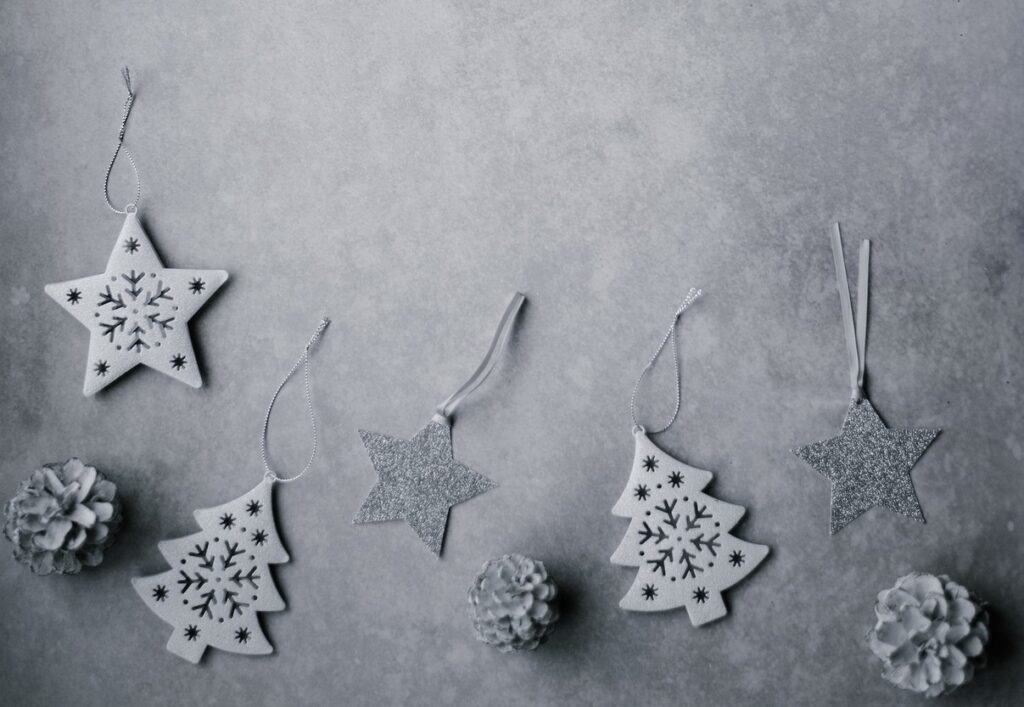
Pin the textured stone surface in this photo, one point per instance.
(404, 167)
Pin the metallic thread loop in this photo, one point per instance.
(303, 360)
(690, 298)
(126, 111)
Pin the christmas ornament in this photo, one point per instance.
(220, 577)
(63, 516)
(137, 311)
(678, 536)
(867, 463)
(930, 634)
(510, 603)
(419, 479)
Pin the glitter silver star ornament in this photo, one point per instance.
(868, 463)
(419, 479)
(137, 311)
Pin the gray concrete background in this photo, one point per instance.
(403, 167)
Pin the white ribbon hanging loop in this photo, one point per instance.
(501, 335)
(856, 334)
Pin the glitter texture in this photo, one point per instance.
(419, 481)
(869, 465)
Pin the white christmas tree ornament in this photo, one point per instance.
(220, 578)
(679, 537)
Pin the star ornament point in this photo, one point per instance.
(419, 480)
(137, 311)
(869, 465)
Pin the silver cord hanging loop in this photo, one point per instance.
(303, 360)
(128, 102)
(691, 297)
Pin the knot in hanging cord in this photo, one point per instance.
(126, 111)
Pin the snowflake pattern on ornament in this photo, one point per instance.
(219, 579)
(679, 538)
(137, 311)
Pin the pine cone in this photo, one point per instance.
(930, 634)
(511, 603)
(62, 517)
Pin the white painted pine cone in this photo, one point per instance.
(63, 517)
(930, 634)
(511, 603)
